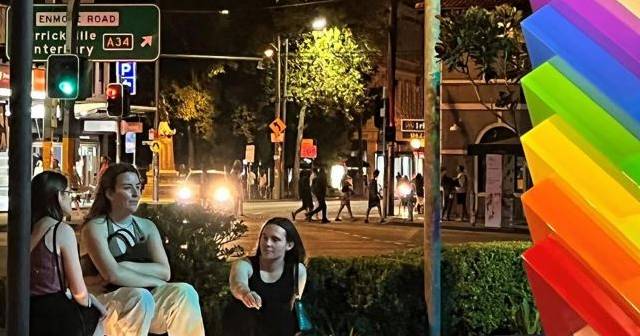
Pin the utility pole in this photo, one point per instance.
(18, 260)
(389, 127)
(431, 170)
(277, 171)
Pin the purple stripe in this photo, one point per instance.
(609, 24)
(536, 4)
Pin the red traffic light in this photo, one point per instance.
(114, 91)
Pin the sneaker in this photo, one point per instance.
(338, 220)
(324, 221)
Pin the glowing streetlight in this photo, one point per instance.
(224, 12)
(319, 23)
(269, 53)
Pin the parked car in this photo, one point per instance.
(210, 188)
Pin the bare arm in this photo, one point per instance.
(95, 236)
(66, 241)
(241, 271)
(159, 268)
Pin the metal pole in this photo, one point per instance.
(156, 123)
(67, 160)
(285, 176)
(431, 171)
(277, 171)
(391, 89)
(19, 180)
(118, 150)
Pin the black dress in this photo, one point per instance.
(274, 318)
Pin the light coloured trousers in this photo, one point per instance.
(172, 308)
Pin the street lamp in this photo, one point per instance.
(319, 23)
(269, 53)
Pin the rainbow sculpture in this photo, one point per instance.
(584, 157)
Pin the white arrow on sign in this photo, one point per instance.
(146, 41)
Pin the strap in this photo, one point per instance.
(55, 254)
(121, 233)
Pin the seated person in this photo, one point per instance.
(131, 266)
(264, 286)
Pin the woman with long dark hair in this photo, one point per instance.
(128, 260)
(264, 286)
(60, 301)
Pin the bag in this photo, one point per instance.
(302, 319)
(66, 315)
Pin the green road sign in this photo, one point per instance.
(105, 32)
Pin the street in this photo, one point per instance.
(347, 238)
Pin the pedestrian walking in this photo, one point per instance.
(127, 263)
(374, 196)
(447, 184)
(265, 285)
(319, 189)
(461, 193)
(346, 187)
(55, 266)
(263, 185)
(304, 191)
(418, 183)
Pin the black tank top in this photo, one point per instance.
(276, 316)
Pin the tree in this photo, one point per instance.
(489, 45)
(193, 105)
(328, 75)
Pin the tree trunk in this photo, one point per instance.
(296, 155)
(191, 146)
(360, 187)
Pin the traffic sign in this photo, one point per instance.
(130, 142)
(105, 32)
(131, 126)
(126, 74)
(277, 137)
(277, 126)
(250, 153)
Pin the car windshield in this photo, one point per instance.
(195, 177)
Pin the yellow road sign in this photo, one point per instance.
(277, 126)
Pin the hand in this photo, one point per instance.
(252, 300)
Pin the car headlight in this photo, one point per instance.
(404, 189)
(222, 194)
(185, 193)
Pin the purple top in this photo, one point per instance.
(44, 279)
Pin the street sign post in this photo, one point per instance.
(105, 32)
(126, 74)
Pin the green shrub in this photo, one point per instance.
(198, 243)
(485, 290)
(484, 287)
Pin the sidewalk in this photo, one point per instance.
(418, 221)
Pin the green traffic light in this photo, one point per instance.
(66, 87)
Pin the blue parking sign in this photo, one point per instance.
(126, 74)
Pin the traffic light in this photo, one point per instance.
(377, 96)
(63, 76)
(117, 99)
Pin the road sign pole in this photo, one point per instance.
(277, 172)
(118, 136)
(18, 261)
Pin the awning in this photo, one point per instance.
(510, 146)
